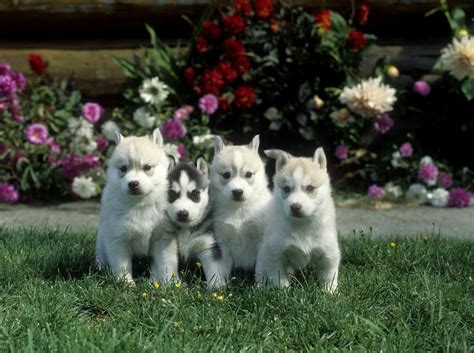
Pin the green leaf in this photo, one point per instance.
(458, 18)
(468, 88)
(338, 23)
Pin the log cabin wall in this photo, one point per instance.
(81, 37)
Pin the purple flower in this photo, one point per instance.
(75, 165)
(102, 143)
(383, 123)
(92, 112)
(376, 192)
(7, 86)
(422, 88)
(20, 81)
(458, 197)
(183, 153)
(5, 68)
(182, 114)
(173, 130)
(55, 149)
(341, 152)
(428, 172)
(208, 104)
(8, 193)
(445, 180)
(406, 150)
(37, 134)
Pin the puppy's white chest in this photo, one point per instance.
(297, 257)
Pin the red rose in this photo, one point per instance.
(211, 30)
(263, 8)
(233, 48)
(241, 64)
(224, 103)
(201, 45)
(363, 14)
(227, 71)
(190, 75)
(212, 82)
(323, 19)
(37, 64)
(356, 40)
(244, 97)
(234, 24)
(243, 6)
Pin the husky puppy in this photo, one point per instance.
(301, 222)
(190, 213)
(132, 215)
(239, 191)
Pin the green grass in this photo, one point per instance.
(417, 296)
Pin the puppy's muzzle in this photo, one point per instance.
(182, 216)
(296, 209)
(237, 194)
(134, 187)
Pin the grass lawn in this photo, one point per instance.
(416, 296)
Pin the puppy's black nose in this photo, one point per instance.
(237, 194)
(296, 208)
(133, 186)
(183, 215)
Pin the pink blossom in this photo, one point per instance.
(7, 86)
(20, 80)
(8, 193)
(102, 143)
(406, 150)
(92, 112)
(341, 152)
(173, 130)
(383, 123)
(5, 68)
(208, 104)
(55, 149)
(376, 192)
(182, 114)
(37, 134)
(422, 88)
(445, 180)
(458, 197)
(183, 153)
(74, 165)
(428, 173)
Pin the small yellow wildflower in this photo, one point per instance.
(425, 238)
(462, 33)
(177, 285)
(214, 295)
(393, 244)
(198, 264)
(145, 295)
(220, 297)
(156, 285)
(392, 71)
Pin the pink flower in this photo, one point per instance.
(422, 88)
(182, 114)
(445, 180)
(173, 130)
(183, 153)
(7, 86)
(102, 143)
(458, 197)
(406, 150)
(428, 173)
(376, 192)
(341, 152)
(208, 104)
(92, 112)
(8, 193)
(75, 165)
(37, 134)
(20, 80)
(55, 149)
(383, 123)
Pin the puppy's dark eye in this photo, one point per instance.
(226, 175)
(286, 189)
(195, 195)
(172, 196)
(146, 167)
(310, 188)
(248, 175)
(123, 169)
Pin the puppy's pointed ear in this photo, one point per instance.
(156, 137)
(201, 165)
(280, 156)
(255, 143)
(320, 158)
(117, 137)
(218, 144)
(172, 163)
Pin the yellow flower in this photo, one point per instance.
(198, 264)
(392, 71)
(177, 285)
(220, 297)
(214, 295)
(462, 33)
(393, 244)
(156, 285)
(145, 295)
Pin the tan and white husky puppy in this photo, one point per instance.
(300, 228)
(239, 192)
(132, 215)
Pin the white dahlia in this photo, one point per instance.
(369, 98)
(109, 128)
(439, 197)
(154, 91)
(171, 149)
(458, 57)
(203, 141)
(143, 118)
(84, 187)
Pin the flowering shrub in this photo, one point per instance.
(49, 144)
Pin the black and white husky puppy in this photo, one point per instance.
(190, 213)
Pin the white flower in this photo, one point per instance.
(393, 190)
(203, 141)
(369, 98)
(73, 124)
(458, 57)
(153, 91)
(143, 118)
(172, 150)
(418, 192)
(90, 147)
(85, 130)
(439, 197)
(396, 157)
(84, 187)
(109, 128)
(426, 160)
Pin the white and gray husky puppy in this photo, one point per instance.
(189, 210)
(240, 192)
(132, 216)
(300, 229)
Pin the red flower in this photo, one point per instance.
(201, 45)
(190, 75)
(234, 24)
(356, 40)
(211, 30)
(244, 97)
(263, 8)
(224, 103)
(363, 14)
(227, 71)
(37, 64)
(212, 82)
(243, 6)
(233, 48)
(323, 19)
(241, 64)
